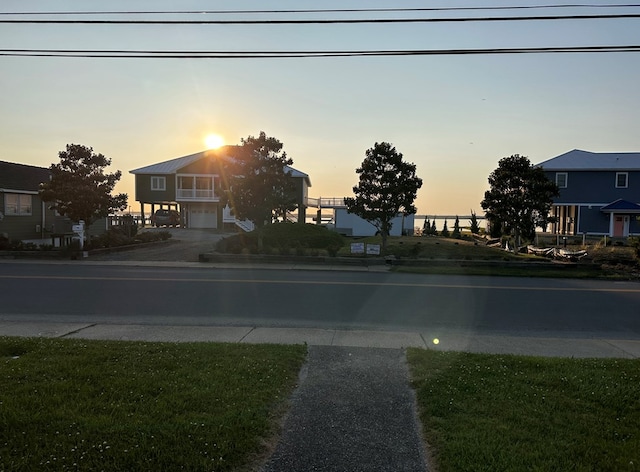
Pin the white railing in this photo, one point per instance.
(197, 194)
(326, 202)
(245, 225)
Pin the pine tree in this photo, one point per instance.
(445, 231)
(475, 228)
(426, 227)
(456, 229)
(434, 230)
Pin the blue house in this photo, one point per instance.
(599, 193)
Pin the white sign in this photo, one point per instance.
(373, 249)
(76, 228)
(357, 248)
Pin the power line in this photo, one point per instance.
(327, 21)
(147, 54)
(327, 10)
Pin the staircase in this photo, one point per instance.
(245, 225)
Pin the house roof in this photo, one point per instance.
(621, 206)
(585, 160)
(174, 165)
(21, 177)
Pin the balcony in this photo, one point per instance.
(196, 188)
(196, 195)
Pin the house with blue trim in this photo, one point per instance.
(599, 193)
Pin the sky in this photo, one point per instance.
(455, 117)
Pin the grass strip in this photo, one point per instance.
(505, 271)
(509, 413)
(110, 405)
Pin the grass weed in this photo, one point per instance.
(108, 405)
(500, 412)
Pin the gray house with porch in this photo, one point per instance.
(599, 193)
(193, 185)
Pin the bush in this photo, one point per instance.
(113, 237)
(283, 238)
(117, 236)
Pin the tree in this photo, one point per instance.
(79, 188)
(258, 184)
(426, 226)
(434, 230)
(445, 231)
(473, 222)
(519, 199)
(456, 229)
(387, 186)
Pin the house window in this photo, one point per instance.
(622, 179)
(158, 183)
(561, 179)
(17, 204)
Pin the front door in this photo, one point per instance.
(620, 226)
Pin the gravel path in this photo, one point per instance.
(185, 245)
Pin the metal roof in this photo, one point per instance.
(174, 165)
(585, 160)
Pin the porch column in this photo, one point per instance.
(612, 222)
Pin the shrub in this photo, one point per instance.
(283, 238)
(113, 237)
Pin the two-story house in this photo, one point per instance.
(23, 216)
(599, 193)
(192, 184)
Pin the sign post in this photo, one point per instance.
(79, 230)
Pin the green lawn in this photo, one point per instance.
(514, 413)
(105, 405)
(98, 405)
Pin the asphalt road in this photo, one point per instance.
(299, 298)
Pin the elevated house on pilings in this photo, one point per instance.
(192, 185)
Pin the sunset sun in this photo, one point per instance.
(213, 141)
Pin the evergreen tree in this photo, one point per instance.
(445, 231)
(456, 229)
(259, 184)
(426, 227)
(475, 228)
(434, 230)
(387, 186)
(519, 198)
(79, 187)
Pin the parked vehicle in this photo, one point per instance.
(165, 218)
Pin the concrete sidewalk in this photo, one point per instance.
(538, 344)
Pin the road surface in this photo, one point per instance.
(299, 298)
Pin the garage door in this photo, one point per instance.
(203, 216)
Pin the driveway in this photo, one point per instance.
(185, 245)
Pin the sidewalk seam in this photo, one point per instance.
(630, 354)
(253, 328)
(76, 331)
(424, 341)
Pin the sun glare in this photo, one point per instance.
(213, 141)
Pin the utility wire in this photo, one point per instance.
(142, 54)
(326, 21)
(327, 10)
